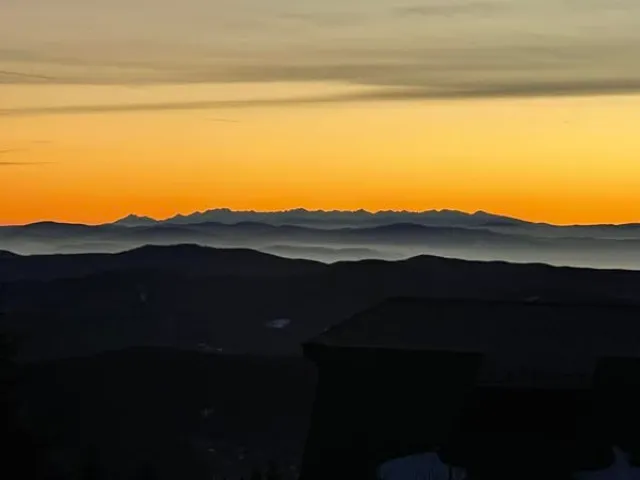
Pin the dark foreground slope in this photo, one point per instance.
(124, 359)
(184, 415)
(232, 305)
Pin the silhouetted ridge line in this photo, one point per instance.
(187, 259)
(604, 326)
(481, 302)
(478, 217)
(195, 250)
(606, 304)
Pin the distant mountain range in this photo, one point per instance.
(323, 236)
(351, 218)
(332, 218)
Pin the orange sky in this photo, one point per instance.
(561, 160)
(161, 107)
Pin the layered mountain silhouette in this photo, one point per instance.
(595, 246)
(184, 335)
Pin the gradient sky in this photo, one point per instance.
(528, 108)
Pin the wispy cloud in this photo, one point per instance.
(450, 7)
(20, 77)
(423, 49)
(9, 151)
(222, 120)
(453, 92)
(538, 59)
(325, 19)
(168, 106)
(23, 164)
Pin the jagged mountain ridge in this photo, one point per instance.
(329, 218)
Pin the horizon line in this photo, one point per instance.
(323, 211)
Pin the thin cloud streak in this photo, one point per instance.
(21, 164)
(449, 8)
(222, 120)
(23, 76)
(428, 68)
(417, 43)
(516, 90)
(9, 151)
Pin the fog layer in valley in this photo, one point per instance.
(336, 236)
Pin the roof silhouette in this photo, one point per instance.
(521, 341)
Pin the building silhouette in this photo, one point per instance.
(499, 388)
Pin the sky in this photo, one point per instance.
(526, 108)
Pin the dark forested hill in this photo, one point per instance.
(186, 359)
(182, 415)
(230, 301)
